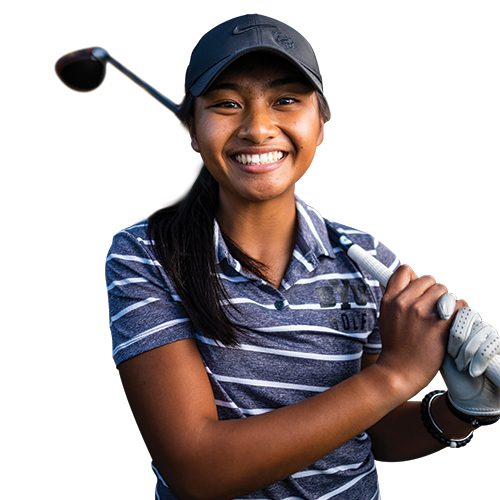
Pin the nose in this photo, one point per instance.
(257, 125)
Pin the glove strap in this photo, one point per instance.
(430, 424)
(470, 419)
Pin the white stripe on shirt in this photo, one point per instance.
(333, 470)
(268, 383)
(246, 411)
(373, 346)
(352, 305)
(394, 265)
(311, 227)
(160, 477)
(147, 333)
(244, 300)
(311, 328)
(145, 242)
(126, 281)
(133, 258)
(346, 486)
(283, 352)
(328, 276)
(126, 310)
(144, 224)
(303, 260)
(233, 279)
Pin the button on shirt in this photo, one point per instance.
(303, 337)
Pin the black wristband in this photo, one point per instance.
(433, 428)
(475, 421)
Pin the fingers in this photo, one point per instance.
(479, 349)
(472, 342)
(486, 352)
(401, 278)
(423, 295)
(446, 305)
(405, 281)
(460, 329)
(471, 345)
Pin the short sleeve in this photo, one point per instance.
(144, 310)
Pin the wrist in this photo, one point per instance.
(474, 420)
(394, 386)
(440, 426)
(452, 426)
(398, 382)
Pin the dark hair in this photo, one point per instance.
(184, 246)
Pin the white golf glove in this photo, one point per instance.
(472, 344)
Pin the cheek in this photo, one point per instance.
(211, 137)
(309, 138)
(309, 130)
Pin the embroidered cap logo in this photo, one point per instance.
(237, 30)
(283, 39)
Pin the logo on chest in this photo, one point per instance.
(348, 299)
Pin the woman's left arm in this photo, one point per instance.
(401, 434)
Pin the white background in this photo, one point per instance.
(414, 90)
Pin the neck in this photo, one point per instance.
(264, 230)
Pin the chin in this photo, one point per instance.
(262, 195)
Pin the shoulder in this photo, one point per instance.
(132, 252)
(137, 232)
(364, 239)
(132, 241)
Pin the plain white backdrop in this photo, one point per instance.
(413, 88)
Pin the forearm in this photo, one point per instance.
(234, 457)
(401, 434)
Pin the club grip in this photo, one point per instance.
(382, 274)
(369, 264)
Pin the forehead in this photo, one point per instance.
(264, 66)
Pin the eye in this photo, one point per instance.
(286, 100)
(227, 104)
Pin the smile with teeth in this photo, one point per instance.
(262, 159)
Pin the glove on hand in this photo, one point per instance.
(472, 345)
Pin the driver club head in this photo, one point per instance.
(83, 70)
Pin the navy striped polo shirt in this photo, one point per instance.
(307, 335)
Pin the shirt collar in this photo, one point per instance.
(312, 236)
(312, 233)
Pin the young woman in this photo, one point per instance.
(248, 344)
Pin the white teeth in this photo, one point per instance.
(262, 159)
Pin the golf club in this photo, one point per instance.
(84, 70)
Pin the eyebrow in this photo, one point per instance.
(280, 82)
(288, 80)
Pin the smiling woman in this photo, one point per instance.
(248, 344)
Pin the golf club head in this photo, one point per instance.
(83, 70)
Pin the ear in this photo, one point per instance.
(320, 133)
(194, 144)
(194, 140)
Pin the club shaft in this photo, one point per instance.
(151, 90)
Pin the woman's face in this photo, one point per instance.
(257, 128)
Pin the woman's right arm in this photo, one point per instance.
(201, 457)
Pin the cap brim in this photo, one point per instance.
(200, 86)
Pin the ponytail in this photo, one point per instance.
(184, 246)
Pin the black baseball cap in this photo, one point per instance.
(228, 41)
